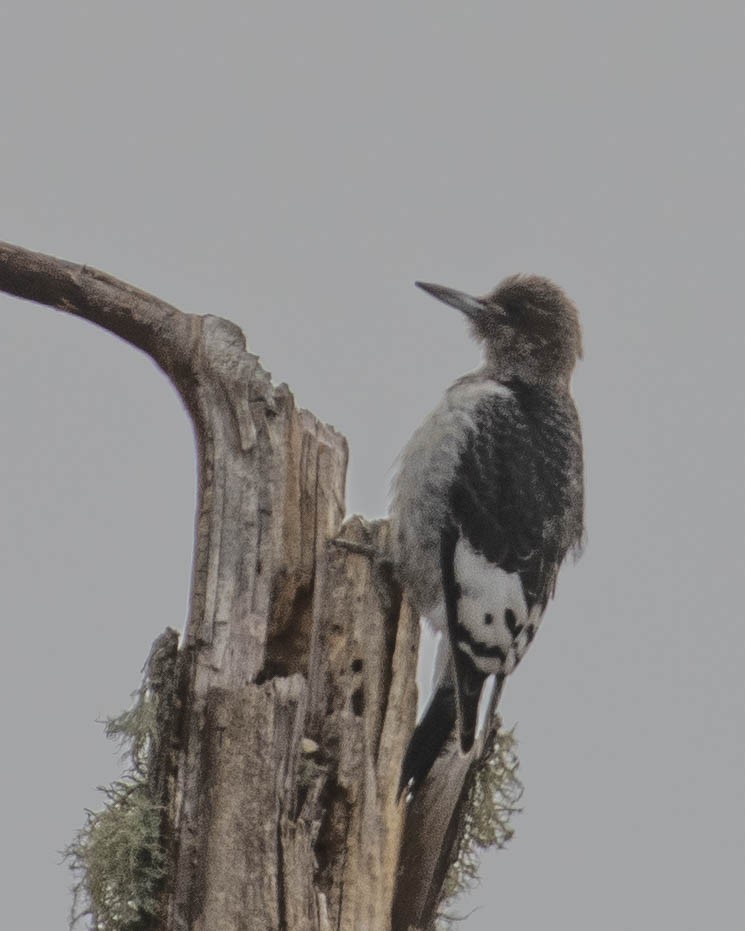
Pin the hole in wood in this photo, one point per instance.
(358, 702)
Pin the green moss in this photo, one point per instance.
(118, 860)
(117, 857)
(493, 795)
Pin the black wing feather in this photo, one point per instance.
(517, 495)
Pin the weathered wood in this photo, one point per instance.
(294, 694)
(271, 496)
(362, 709)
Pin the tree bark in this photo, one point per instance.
(295, 676)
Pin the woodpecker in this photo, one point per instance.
(488, 501)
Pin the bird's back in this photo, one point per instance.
(501, 463)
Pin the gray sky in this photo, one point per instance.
(295, 167)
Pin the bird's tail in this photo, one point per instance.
(430, 736)
(441, 731)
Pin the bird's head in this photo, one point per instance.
(529, 327)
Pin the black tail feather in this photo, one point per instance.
(429, 738)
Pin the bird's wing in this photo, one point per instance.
(516, 497)
(515, 509)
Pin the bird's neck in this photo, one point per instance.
(506, 370)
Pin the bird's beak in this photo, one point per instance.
(471, 306)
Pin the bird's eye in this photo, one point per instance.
(512, 309)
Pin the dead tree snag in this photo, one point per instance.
(295, 691)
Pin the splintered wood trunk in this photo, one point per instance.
(295, 678)
(295, 675)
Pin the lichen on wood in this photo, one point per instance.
(494, 791)
(118, 856)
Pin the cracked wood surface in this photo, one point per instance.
(295, 674)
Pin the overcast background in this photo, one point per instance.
(295, 167)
